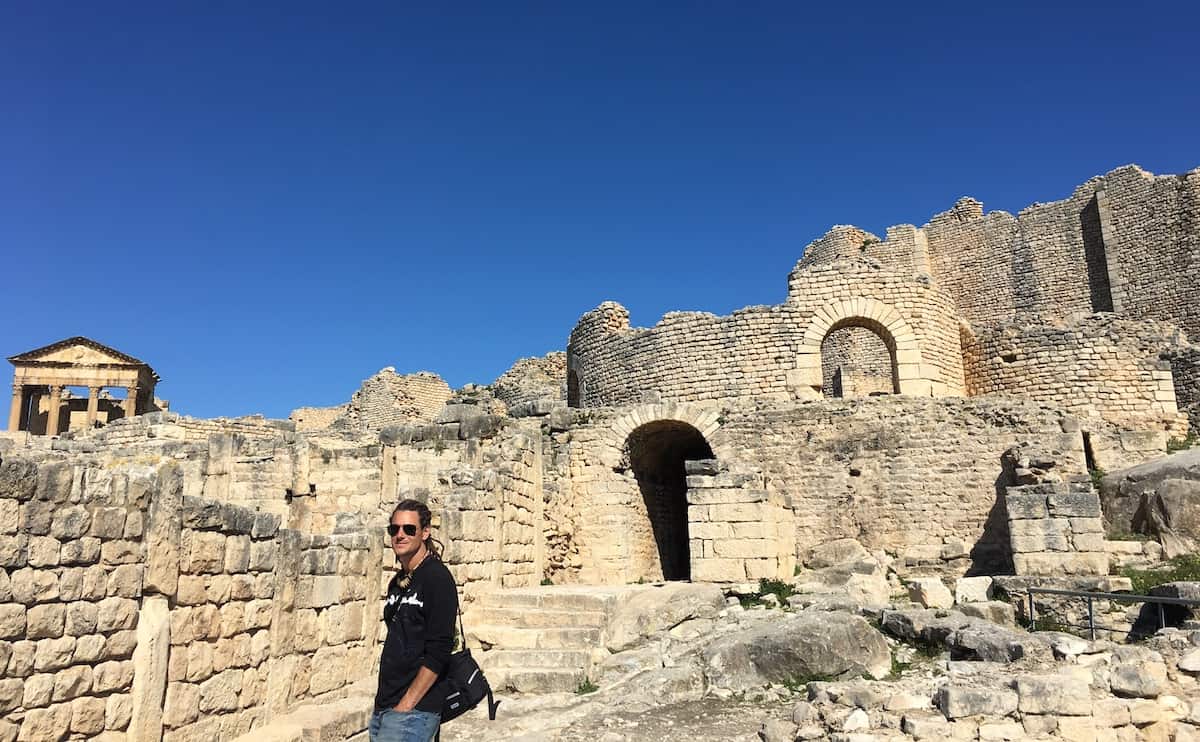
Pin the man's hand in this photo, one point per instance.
(403, 707)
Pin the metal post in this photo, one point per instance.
(1162, 618)
(1032, 613)
(1091, 619)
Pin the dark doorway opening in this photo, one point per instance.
(657, 452)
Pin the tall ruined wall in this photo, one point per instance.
(131, 608)
(1185, 368)
(1100, 366)
(1127, 242)
(384, 399)
(767, 352)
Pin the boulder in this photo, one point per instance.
(973, 589)
(924, 625)
(1137, 672)
(808, 646)
(1167, 488)
(959, 701)
(982, 640)
(660, 608)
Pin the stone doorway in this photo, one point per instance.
(657, 452)
(858, 359)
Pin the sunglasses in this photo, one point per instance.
(408, 528)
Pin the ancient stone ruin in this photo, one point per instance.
(824, 516)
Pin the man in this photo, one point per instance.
(422, 603)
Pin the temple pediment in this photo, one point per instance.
(80, 351)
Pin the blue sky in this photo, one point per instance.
(270, 202)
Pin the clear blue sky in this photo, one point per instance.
(270, 202)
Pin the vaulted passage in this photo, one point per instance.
(657, 452)
(857, 361)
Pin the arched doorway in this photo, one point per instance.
(858, 359)
(657, 452)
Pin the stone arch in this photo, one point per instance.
(880, 318)
(652, 444)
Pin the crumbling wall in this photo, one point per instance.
(1185, 369)
(387, 398)
(762, 352)
(1098, 367)
(533, 379)
(316, 418)
(1127, 241)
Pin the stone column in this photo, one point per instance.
(18, 402)
(52, 415)
(131, 395)
(93, 406)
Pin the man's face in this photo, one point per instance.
(402, 544)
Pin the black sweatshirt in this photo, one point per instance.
(420, 633)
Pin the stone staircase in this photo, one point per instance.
(539, 639)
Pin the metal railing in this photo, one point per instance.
(1091, 626)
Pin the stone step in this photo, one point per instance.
(526, 618)
(508, 637)
(526, 658)
(535, 679)
(560, 598)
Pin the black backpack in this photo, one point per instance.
(466, 685)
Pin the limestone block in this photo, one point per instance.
(1074, 504)
(959, 701)
(43, 551)
(82, 551)
(153, 642)
(1111, 712)
(120, 645)
(72, 682)
(930, 592)
(38, 691)
(12, 691)
(1007, 729)
(1062, 695)
(125, 581)
(723, 495)
(47, 723)
(718, 570)
(70, 522)
(220, 692)
(112, 676)
(326, 591)
(120, 552)
(203, 552)
(14, 551)
(1025, 505)
(90, 648)
(1137, 674)
(1076, 728)
(115, 614)
(1069, 563)
(117, 711)
(237, 554)
(163, 534)
(262, 556)
(241, 587)
(1047, 534)
(199, 662)
(107, 523)
(10, 510)
(329, 670)
(737, 512)
(182, 705)
(12, 621)
(81, 618)
(20, 664)
(996, 611)
(87, 716)
(973, 589)
(745, 548)
(54, 654)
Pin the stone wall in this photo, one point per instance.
(1127, 242)
(384, 399)
(1056, 529)
(533, 379)
(316, 418)
(133, 609)
(1100, 366)
(768, 352)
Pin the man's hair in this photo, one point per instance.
(425, 517)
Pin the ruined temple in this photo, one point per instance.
(944, 397)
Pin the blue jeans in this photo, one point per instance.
(390, 725)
